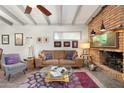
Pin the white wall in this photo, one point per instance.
(35, 32)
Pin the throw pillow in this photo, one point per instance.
(48, 56)
(10, 60)
(69, 56)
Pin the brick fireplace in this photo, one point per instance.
(111, 15)
(113, 60)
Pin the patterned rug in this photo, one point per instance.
(77, 80)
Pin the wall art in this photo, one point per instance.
(57, 43)
(5, 39)
(18, 39)
(74, 44)
(66, 43)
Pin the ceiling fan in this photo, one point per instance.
(40, 7)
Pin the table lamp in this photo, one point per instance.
(85, 47)
(29, 44)
(85, 54)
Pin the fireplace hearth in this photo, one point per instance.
(113, 60)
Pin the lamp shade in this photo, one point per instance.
(85, 45)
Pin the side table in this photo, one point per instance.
(30, 63)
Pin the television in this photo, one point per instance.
(105, 40)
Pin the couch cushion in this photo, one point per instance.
(48, 56)
(10, 60)
(50, 62)
(59, 54)
(66, 62)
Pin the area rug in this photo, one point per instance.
(77, 80)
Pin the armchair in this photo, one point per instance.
(1, 51)
(11, 69)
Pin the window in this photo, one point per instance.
(67, 36)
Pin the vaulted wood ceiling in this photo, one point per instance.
(61, 15)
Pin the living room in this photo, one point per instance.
(86, 48)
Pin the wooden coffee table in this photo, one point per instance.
(49, 78)
(64, 78)
(47, 73)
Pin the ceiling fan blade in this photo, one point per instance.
(44, 10)
(28, 9)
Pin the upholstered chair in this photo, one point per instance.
(1, 51)
(13, 66)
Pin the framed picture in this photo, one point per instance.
(66, 43)
(74, 44)
(19, 39)
(45, 39)
(39, 39)
(5, 39)
(57, 43)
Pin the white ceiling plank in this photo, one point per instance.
(38, 16)
(19, 14)
(61, 14)
(9, 18)
(6, 11)
(59, 9)
(54, 17)
(85, 13)
(76, 14)
(47, 19)
(68, 13)
(21, 7)
(94, 13)
(6, 20)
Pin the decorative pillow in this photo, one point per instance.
(10, 60)
(48, 56)
(69, 56)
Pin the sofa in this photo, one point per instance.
(59, 58)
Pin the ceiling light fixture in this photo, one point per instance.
(102, 27)
(93, 32)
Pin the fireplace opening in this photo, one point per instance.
(113, 60)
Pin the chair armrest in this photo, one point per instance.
(3, 64)
(38, 62)
(22, 61)
(38, 59)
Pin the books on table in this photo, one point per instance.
(57, 71)
(56, 74)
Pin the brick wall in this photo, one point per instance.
(112, 16)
